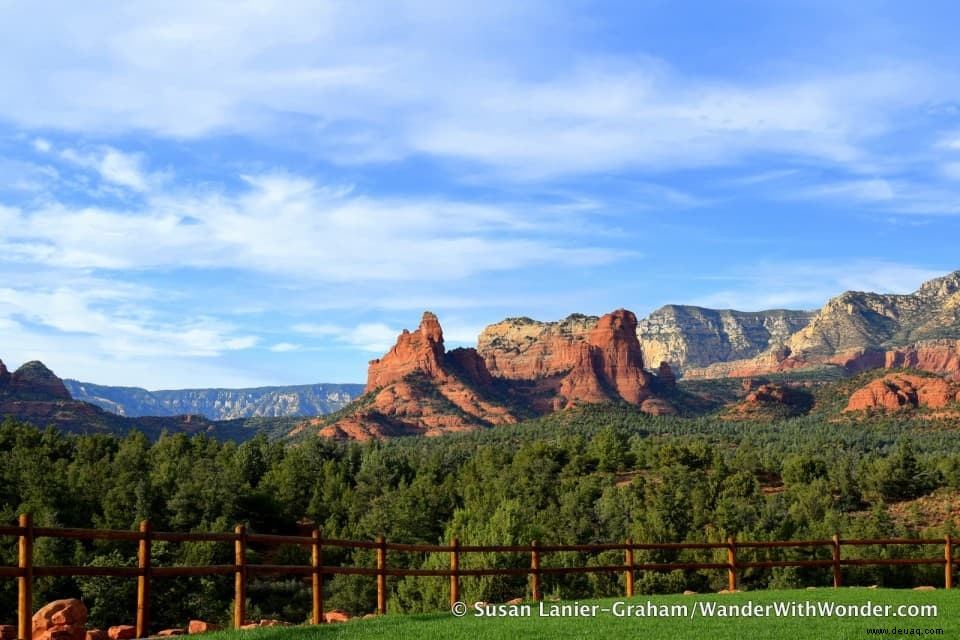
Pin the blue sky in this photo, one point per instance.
(247, 193)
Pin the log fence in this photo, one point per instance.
(26, 571)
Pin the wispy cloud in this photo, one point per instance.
(374, 337)
(112, 166)
(809, 284)
(294, 227)
(364, 90)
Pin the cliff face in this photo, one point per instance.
(218, 404)
(688, 337)
(579, 359)
(522, 349)
(523, 367)
(419, 388)
(871, 320)
(858, 330)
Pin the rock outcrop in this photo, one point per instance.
(903, 391)
(770, 401)
(420, 388)
(688, 337)
(61, 620)
(524, 368)
(122, 632)
(859, 331)
(34, 382)
(579, 359)
(525, 349)
(421, 351)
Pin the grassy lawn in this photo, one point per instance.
(604, 624)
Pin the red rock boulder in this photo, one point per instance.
(336, 616)
(122, 632)
(61, 620)
(199, 626)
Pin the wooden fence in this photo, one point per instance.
(26, 571)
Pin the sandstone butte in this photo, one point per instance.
(420, 388)
(904, 391)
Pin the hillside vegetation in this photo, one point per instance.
(595, 473)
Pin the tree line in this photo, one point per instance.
(595, 474)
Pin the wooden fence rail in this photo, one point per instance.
(27, 533)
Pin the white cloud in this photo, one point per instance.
(375, 337)
(868, 190)
(343, 81)
(113, 319)
(284, 347)
(114, 167)
(290, 226)
(809, 284)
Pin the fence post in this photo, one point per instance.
(836, 562)
(535, 565)
(381, 575)
(143, 580)
(629, 573)
(317, 578)
(240, 579)
(948, 556)
(454, 571)
(731, 564)
(25, 581)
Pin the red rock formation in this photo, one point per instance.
(471, 365)
(581, 359)
(61, 620)
(33, 381)
(769, 401)
(903, 391)
(617, 355)
(418, 388)
(199, 626)
(336, 616)
(941, 357)
(421, 350)
(122, 632)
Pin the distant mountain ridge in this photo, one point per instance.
(35, 394)
(218, 404)
(862, 330)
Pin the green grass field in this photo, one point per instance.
(604, 624)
